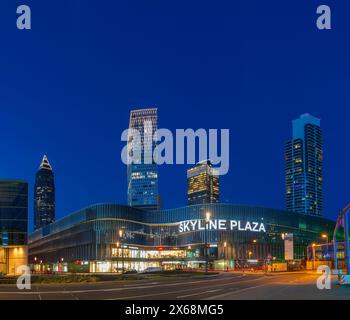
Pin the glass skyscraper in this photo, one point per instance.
(202, 184)
(44, 195)
(303, 167)
(13, 225)
(143, 172)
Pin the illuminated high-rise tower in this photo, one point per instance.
(202, 184)
(44, 195)
(143, 172)
(303, 167)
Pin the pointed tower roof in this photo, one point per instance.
(45, 164)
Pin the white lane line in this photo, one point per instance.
(198, 293)
(243, 290)
(235, 292)
(172, 292)
(122, 288)
(40, 298)
(137, 284)
(151, 294)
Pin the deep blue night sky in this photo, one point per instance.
(67, 86)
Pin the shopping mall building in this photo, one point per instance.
(112, 238)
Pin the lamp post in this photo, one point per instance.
(225, 262)
(207, 219)
(325, 236)
(62, 264)
(187, 257)
(121, 234)
(313, 255)
(117, 255)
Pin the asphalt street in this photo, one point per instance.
(288, 286)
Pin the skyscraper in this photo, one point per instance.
(44, 195)
(203, 184)
(303, 167)
(143, 172)
(13, 225)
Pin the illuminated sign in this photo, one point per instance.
(219, 224)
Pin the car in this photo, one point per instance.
(152, 269)
(131, 271)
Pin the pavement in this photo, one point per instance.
(224, 286)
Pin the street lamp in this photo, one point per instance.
(225, 262)
(118, 244)
(313, 255)
(250, 254)
(325, 236)
(207, 219)
(121, 234)
(187, 257)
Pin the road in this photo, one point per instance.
(212, 287)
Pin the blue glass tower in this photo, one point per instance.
(13, 226)
(303, 167)
(143, 172)
(44, 195)
(13, 212)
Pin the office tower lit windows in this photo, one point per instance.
(303, 167)
(203, 184)
(143, 173)
(44, 195)
(13, 225)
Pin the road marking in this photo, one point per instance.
(152, 294)
(246, 289)
(137, 284)
(198, 293)
(124, 288)
(87, 291)
(40, 298)
(172, 292)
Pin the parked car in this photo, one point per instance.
(131, 271)
(152, 269)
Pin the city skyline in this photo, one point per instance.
(240, 72)
(136, 122)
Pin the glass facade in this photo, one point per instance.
(155, 237)
(203, 184)
(303, 167)
(44, 195)
(13, 213)
(142, 169)
(13, 225)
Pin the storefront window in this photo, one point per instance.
(147, 254)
